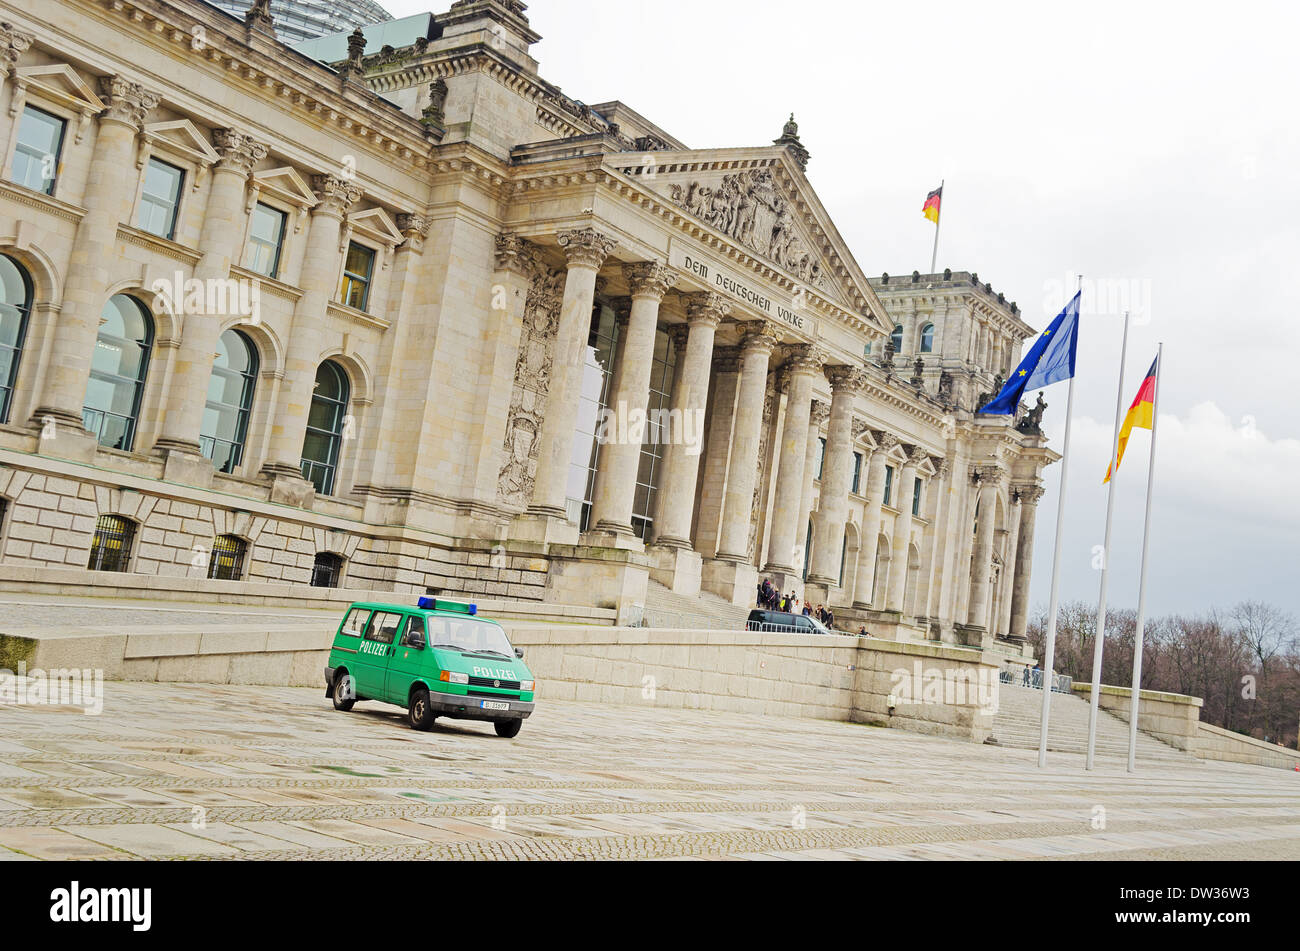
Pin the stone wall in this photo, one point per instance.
(1170, 717)
(1213, 742)
(831, 677)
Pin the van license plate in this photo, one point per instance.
(492, 705)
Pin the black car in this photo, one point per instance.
(778, 622)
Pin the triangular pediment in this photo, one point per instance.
(286, 184)
(61, 84)
(376, 224)
(760, 200)
(183, 137)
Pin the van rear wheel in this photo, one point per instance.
(345, 694)
(508, 729)
(420, 711)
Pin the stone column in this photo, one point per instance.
(678, 335)
(587, 250)
(676, 564)
(868, 545)
(941, 490)
(319, 279)
(902, 542)
(1030, 496)
(730, 573)
(801, 369)
(620, 456)
(1002, 623)
(219, 243)
(109, 192)
(987, 478)
(818, 414)
(717, 452)
(837, 481)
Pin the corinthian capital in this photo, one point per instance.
(126, 101)
(1029, 494)
(819, 415)
(513, 253)
(13, 43)
(987, 475)
(847, 379)
(414, 228)
(758, 336)
(335, 194)
(649, 279)
(805, 358)
(885, 441)
(586, 247)
(237, 151)
(916, 458)
(707, 306)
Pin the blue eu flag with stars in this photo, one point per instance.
(1050, 360)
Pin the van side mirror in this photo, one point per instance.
(519, 652)
(416, 643)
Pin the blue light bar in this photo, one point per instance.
(453, 607)
(428, 604)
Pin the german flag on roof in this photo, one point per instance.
(932, 203)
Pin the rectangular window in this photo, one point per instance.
(916, 498)
(355, 625)
(857, 472)
(821, 456)
(265, 240)
(384, 627)
(357, 269)
(161, 199)
(889, 485)
(36, 156)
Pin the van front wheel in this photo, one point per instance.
(508, 729)
(420, 711)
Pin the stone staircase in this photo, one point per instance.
(705, 612)
(1018, 720)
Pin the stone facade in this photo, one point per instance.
(454, 236)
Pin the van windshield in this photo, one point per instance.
(469, 635)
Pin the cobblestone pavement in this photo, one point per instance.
(204, 772)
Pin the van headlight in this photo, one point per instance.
(527, 686)
(451, 678)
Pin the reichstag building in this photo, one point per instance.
(385, 310)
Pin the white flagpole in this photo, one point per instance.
(1049, 673)
(1100, 643)
(934, 259)
(1134, 705)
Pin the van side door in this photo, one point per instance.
(375, 652)
(411, 660)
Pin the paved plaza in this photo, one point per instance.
(224, 772)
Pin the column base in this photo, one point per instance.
(600, 578)
(543, 529)
(733, 581)
(186, 467)
(604, 537)
(63, 439)
(973, 635)
(818, 591)
(678, 569)
(288, 487)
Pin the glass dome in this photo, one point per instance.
(298, 20)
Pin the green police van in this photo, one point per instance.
(439, 659)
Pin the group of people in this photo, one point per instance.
(770, 598)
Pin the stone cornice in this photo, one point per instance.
(171, 249)
(46, 203)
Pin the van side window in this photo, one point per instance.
(415, 634)
(383, 628)
(355, 624)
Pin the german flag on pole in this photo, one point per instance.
(932, 203)
(1141, 415)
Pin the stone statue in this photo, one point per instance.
(918, 369)
(1032, 424)
(435, 113)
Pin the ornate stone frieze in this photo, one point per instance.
(238, 151)
(749, 207)
(126, 101)
(586, 247)
(649, 279)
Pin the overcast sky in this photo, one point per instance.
(1148, 146)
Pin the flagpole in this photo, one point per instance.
(934, 260)
(1100, 643)
(1134, 698)
(1049, 673)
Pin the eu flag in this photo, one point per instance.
(1050, 360)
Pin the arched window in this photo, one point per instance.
(15, 305)
(927, 338)
(328, 570)
(230, 401)
(896, 338)
(117, 372)
(227, 562)
(329, 408)
(110, 549)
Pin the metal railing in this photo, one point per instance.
(1033, 679)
